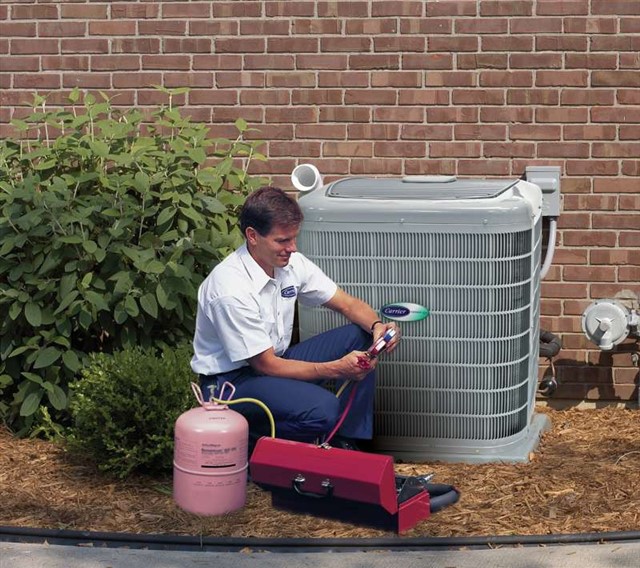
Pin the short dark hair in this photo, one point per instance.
(268, 207)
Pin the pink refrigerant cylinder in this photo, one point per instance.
(210, 460)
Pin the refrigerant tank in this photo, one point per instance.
(210, 460)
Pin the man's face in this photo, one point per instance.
(274, 249)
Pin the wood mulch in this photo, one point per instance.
(584, 477)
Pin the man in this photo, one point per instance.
(244, 324)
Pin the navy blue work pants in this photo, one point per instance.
(305, 410)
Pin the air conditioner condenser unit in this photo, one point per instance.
(461, 386)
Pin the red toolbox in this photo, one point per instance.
(352, 486)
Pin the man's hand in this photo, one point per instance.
(381, 328)
(354, 366)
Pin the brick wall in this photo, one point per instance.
(470, 87)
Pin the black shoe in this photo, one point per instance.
(344, 443)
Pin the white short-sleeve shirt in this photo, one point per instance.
(243, 312)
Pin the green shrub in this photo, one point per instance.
(125, 405)
(109, 221)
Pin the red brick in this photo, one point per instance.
(36, 81)
(292, 115)
(218, 62)
(239, 45)
(402, 79)
(480, 132)
(37, 12)
(619, 221)
(535, 61)
(629, 60)
(427, 61)
(272, 132)
(507, 43)
(214, 28)
(551, 307)
(115, 28)
(564, 290)
(589, 238)
(365, 166)
(269, 62)
(400, 149)
(455, 149)
(345, 79)
(61, 29)
(451, 79)
(630, 203)
(615, 79)
(535, 25)
(274, 166)
(426, 132)
(506, 114)
(34, 46)
(136, 80)
(187, 45)
(509, 150)
(562, 115)
(321, 61)
(424, 26)
(292, 79)
(271, 97)
(501, 8)
(162, 27)
(575, 78)
(243, 9)
(398, 114)
(615, 256)
(563, 43)
(482, 60)
(84, 11)
(564, 8)
(241, 79)
(394, 43)
(375, 131)
(565, 255)
(370, 97)
(630, 239)
(576, 97)
(615, 114)
(430, 166)
(369, 27)
(168, 62)
(592, 167)
(135, 45)
(477, 97)
(264, 27)
(321, 27)
(615, 185)
(288, 9)
(323, 131)
(533, 97)
(575, 308)
(186, 10)
(610, 290)
(297, 148)
(377, 61)
(590, 60)
(134, 11)
(450, 44)
(65, 62)
(629, 274)
(213, 97)
(431, 97)
(534, 132)
(86, 80)
(616, 7)
(293, 45)
(188, 79)
(392, 8)
(452, 114)
(361, 149)
(21, 64)
(502, 79)
(451, 8)
(483, 167)
(628, 96)
(630, 132)
(17, 29)
(115, 63)
(615, 43)
(231, 114)
(586, 274)
(591, 26)
(589, 132)
(316, 97)
(343, 9)
(617, 150)
(481, 26)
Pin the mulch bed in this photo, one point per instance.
(584, 477)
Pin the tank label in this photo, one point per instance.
(404, 311)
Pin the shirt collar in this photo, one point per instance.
(256, 273)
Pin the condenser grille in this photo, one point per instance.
(465, 373)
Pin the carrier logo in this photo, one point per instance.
(403, 311)
(288, 292)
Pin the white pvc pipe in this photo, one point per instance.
(551, 247)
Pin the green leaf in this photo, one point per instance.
(57, 398)
(33, 314)
(166, 215)
(149, 305)
(100, 148)
(154, 267)
(37, 379)
(131, 306)
(66, 301)
(31, 403)
(15, 310)
(161, 294)
(46, 357)
(90, 246)
(71, 361)
(119, 314)
(96, 300)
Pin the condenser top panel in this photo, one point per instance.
(429, 188)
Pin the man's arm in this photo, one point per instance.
(362, 314)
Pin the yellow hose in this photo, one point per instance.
(254, 401)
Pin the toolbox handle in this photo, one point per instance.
(299, 481)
